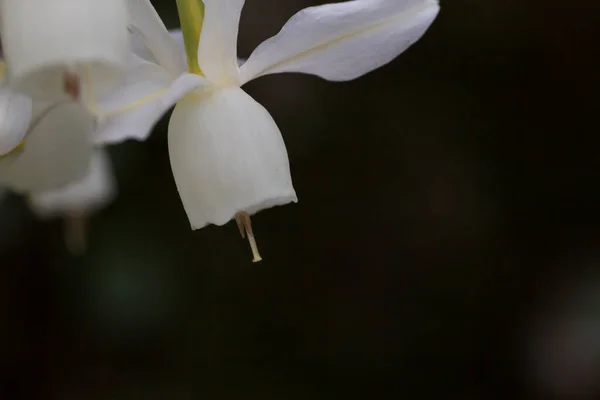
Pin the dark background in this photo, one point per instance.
(446, 201)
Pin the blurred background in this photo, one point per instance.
(446, 239)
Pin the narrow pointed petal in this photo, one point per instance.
(342, 41)
(43, 39)
(144, 79)
(57, 150)
(217, 53)
(15, 115)
(140, 49)
(148, 103)
(155, 36)
(227, 156)
(178, 37)
(84, 196)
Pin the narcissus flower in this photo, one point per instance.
(44, 145)
(50, 46)
(227, 154)
(50, 159)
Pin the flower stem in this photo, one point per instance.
(191, 17)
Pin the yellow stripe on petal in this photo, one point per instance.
(18, 148)
(2, 70)
(96, 110)
(191, 18)
(134, 104)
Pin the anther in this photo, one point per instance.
(245, 226)
(71, 84)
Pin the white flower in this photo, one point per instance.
(49, 45)
(52, 162)
(227, 154)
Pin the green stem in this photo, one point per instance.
(191, 17)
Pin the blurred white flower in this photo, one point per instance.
(54, 166)
(58, 169)
(50, 46)
(50, 158)
(43, 144)
(227, 154)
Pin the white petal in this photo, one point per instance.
(41, 39)
(144, 79)
(136, 119)
(15, 115)
(142, 51)
(342, 41)
(94, 191)
(177, 35)
(138, 46)
(227, 156)
(217, 52)
(150, 27)
(57, 150)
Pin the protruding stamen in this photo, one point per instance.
(72, 85)
(245, 226)
(75, 233)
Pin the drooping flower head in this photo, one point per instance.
(51, 159)
(61, 57)
(227, 154)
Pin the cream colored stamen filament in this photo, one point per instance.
(245, 226)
